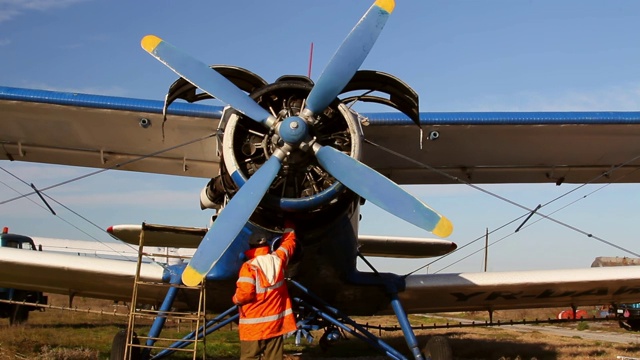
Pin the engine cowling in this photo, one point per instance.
(302, 185)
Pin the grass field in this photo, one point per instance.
(69, 335)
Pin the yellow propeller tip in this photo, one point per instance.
(191, 277)
(150, 42)
(443, 228)
(386, 5)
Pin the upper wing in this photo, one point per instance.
(102, 131)
(502, 147)
(108, 132)
(520, 289)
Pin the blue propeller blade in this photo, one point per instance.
(381, 191)
(349, 56)
(207, 79)
(230, 222)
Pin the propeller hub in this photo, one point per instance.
(293, 130)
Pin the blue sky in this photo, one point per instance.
(458, 55)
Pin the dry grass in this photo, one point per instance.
(503, 343)
(57, 334)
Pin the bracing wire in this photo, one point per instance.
(529, 211)
(142, 157)
(115, 166)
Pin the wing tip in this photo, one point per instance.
(191, 277)
(150, 42)
(443, 228)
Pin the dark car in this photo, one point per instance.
(628, 315)
(18, 313)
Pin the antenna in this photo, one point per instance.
(310, 60)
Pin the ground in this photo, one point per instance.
(79, 335)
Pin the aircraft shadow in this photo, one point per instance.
(495, 348)
(463, 348)
(80, 325)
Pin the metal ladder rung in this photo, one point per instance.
(136, 313)
(158, 348)
(162, 339)
(155, 283)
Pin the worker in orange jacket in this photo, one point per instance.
(263, 299)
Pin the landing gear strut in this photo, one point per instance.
(317, 314)
(19, 314)
(437, 349)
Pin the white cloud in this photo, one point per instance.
(7, 14)
(10, 9)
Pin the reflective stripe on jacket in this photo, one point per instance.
(261, 292)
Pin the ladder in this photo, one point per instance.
(140, 316)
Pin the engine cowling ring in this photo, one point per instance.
(302, 185)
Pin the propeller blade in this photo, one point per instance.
(230, 222)
(349, 56)
(205, 78)
(381, 191)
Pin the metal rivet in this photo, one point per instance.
(145, 123)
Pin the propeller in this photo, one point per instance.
(294, 131)
(381, 191)
(349, 56)
(231, 220)
(200, 75)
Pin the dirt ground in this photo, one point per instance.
(58, 334)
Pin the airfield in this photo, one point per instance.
(292, 144)
(80, 334)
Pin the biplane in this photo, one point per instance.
(296, 149)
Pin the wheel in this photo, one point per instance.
(438, 348)
(630, 324)
(119, 347)
(19, 315)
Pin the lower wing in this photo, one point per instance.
(521, 289)
(113, 279)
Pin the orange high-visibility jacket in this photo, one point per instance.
(261, 292)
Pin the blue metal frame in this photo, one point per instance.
(321, 309)
(158, 323)
(357, 331)
(375, 118)
(107, 102)
(203, 331)
(339, 319)
(403, 319)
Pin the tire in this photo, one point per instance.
(119, 347)
(438, 348)
(634, 324)
(19, 314)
